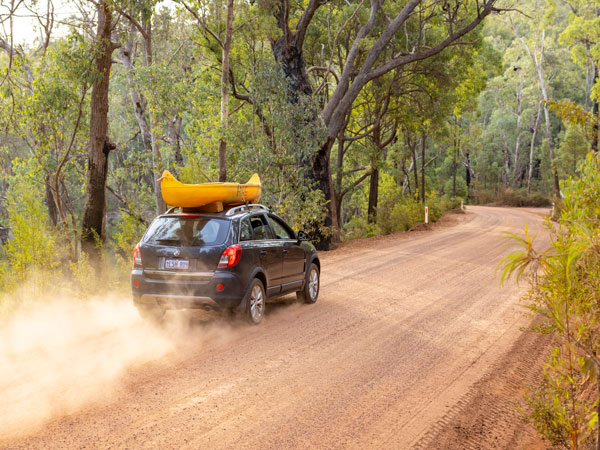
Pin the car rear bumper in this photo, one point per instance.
(185, 290)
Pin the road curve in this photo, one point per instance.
(404, 327)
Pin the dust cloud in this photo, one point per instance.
(62, 355)
(59, 356)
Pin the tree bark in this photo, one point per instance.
(423, 148)
(322, 173)
(174, 131)
(373, 195)
(99, 147)
(225, 91)
(518, 138)
(532, 146)
(415, 167)
(598, 410)
(50, 202)
(595, 115)
(455, 151)
(468, 172)
(339, 183)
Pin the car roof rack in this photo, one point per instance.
(241, 208)
(230, 211)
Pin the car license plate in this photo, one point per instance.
(181, 264)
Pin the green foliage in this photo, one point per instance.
(129, 232)
(461, 188)
(463, 102)
(395, 211)
(520, 197)
(34, 245)
(572, 150)
(565, 290)
(283, 156)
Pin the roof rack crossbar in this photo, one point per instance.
(240, 208)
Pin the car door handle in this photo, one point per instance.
(263, 252)
(285, 250)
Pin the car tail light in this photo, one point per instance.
(137, 256)
(231, 256)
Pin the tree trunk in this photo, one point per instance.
(322, 173)
(339, 185)
(423, 147)
(99, 147)
(225, 92)
(289, 56)
(415, 167)
(52, 212)
(373, 195)
(174, 131)
(537, 63)
(455, 154)
(292, 62)
(454, 173)
(161, 207)
(595, 114)
(518, 138)
(532, 146)
(598, 411)
(468, 173)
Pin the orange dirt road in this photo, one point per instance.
(407, 331)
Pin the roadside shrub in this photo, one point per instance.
(565, 290)
(34, 244)
(509, 197)
(439, 205)
(520, 197)
(396, 212)
(358, 228)
(481, 196)
(404, 216)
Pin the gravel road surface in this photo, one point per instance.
(413, 343)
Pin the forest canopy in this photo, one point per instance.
(355, 113)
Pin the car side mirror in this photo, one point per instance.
(302, 236)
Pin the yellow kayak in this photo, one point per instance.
(176, 193)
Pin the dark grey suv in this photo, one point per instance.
(236, 259)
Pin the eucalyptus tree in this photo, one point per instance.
(209, 18)
(582, 37)
(93, 227)
(535, 49)
(415, 30)
(140, 17)
(44, 105)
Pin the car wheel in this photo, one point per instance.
(151, 314)
(255, 302)
(310, 293)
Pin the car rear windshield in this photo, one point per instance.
(187, 231)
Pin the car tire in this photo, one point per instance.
(151, 314)
(255, 302)
(310, 292)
